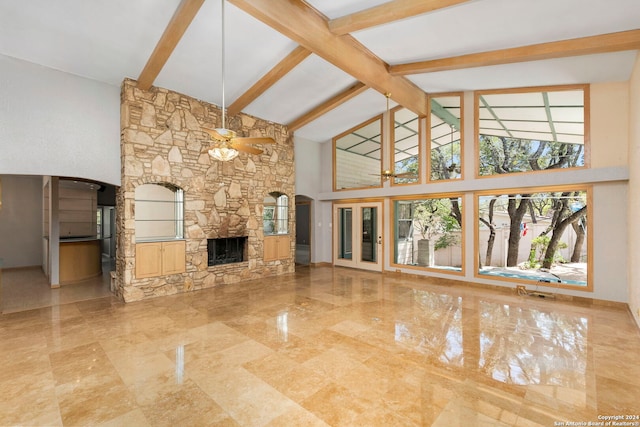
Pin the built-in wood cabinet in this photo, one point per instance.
(173, 257)
(277, 247)
(155, 259)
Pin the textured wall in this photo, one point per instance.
(21, 221)
(162, 142)
(59, 124)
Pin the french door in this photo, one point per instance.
(357, 238)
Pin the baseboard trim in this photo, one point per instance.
(321, 264)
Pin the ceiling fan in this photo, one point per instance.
(453, 167)
(387, 174)
(227, 144)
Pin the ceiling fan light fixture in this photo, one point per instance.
(223, 152)
(228, 145)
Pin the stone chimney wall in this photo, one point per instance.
(162, 142)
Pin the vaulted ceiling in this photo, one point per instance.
(323, 66)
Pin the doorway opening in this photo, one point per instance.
(303, 230)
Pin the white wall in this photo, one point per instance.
(21, 221)
(59, 124)
(308, 167)
(610, 242)
(633, 226)
(609, 124)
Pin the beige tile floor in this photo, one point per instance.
(28, 288)
(320, 347)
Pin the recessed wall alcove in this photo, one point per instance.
(162, 142)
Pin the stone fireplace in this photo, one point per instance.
(162, 142)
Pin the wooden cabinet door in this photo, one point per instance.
(270, 248)
(277, 247)
(148, 259)
(284, 247)
(173, 257)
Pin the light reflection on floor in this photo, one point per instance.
(323, 346)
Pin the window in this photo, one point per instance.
(531, 130)
(535, 235)
(358, 156)
(445, 124)
(406, 146)
(428, 232)
(275, 214)
(159, 212)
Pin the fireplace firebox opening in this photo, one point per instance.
(226, 250)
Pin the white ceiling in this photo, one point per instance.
(108, 40)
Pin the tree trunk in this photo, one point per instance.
(577, 247)
(490, 240)
(557, 234)
(492, 232)
(455, 210)
(516, 214)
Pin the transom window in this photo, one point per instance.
(531, 130)
(406, 146)
(358, 156)
(445, 126)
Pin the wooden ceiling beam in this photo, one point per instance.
(612, 42)
(296, 56)
(387, 12)
(306, 26)
(182, 18)
(327, 106)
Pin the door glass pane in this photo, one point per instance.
(369, 233)
(345, 250)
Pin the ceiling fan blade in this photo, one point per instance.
(215, 134)
(405, 175)
(245, 148)
(254, 140)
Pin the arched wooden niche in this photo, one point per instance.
(275, 213)
(275, 219)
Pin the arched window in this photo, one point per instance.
(159, 212)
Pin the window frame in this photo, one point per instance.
(379, 118)
(392, 148)
(393, 231)
(460, 95)
(531, 89)
(587, 188)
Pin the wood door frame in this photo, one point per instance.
(356, 207)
